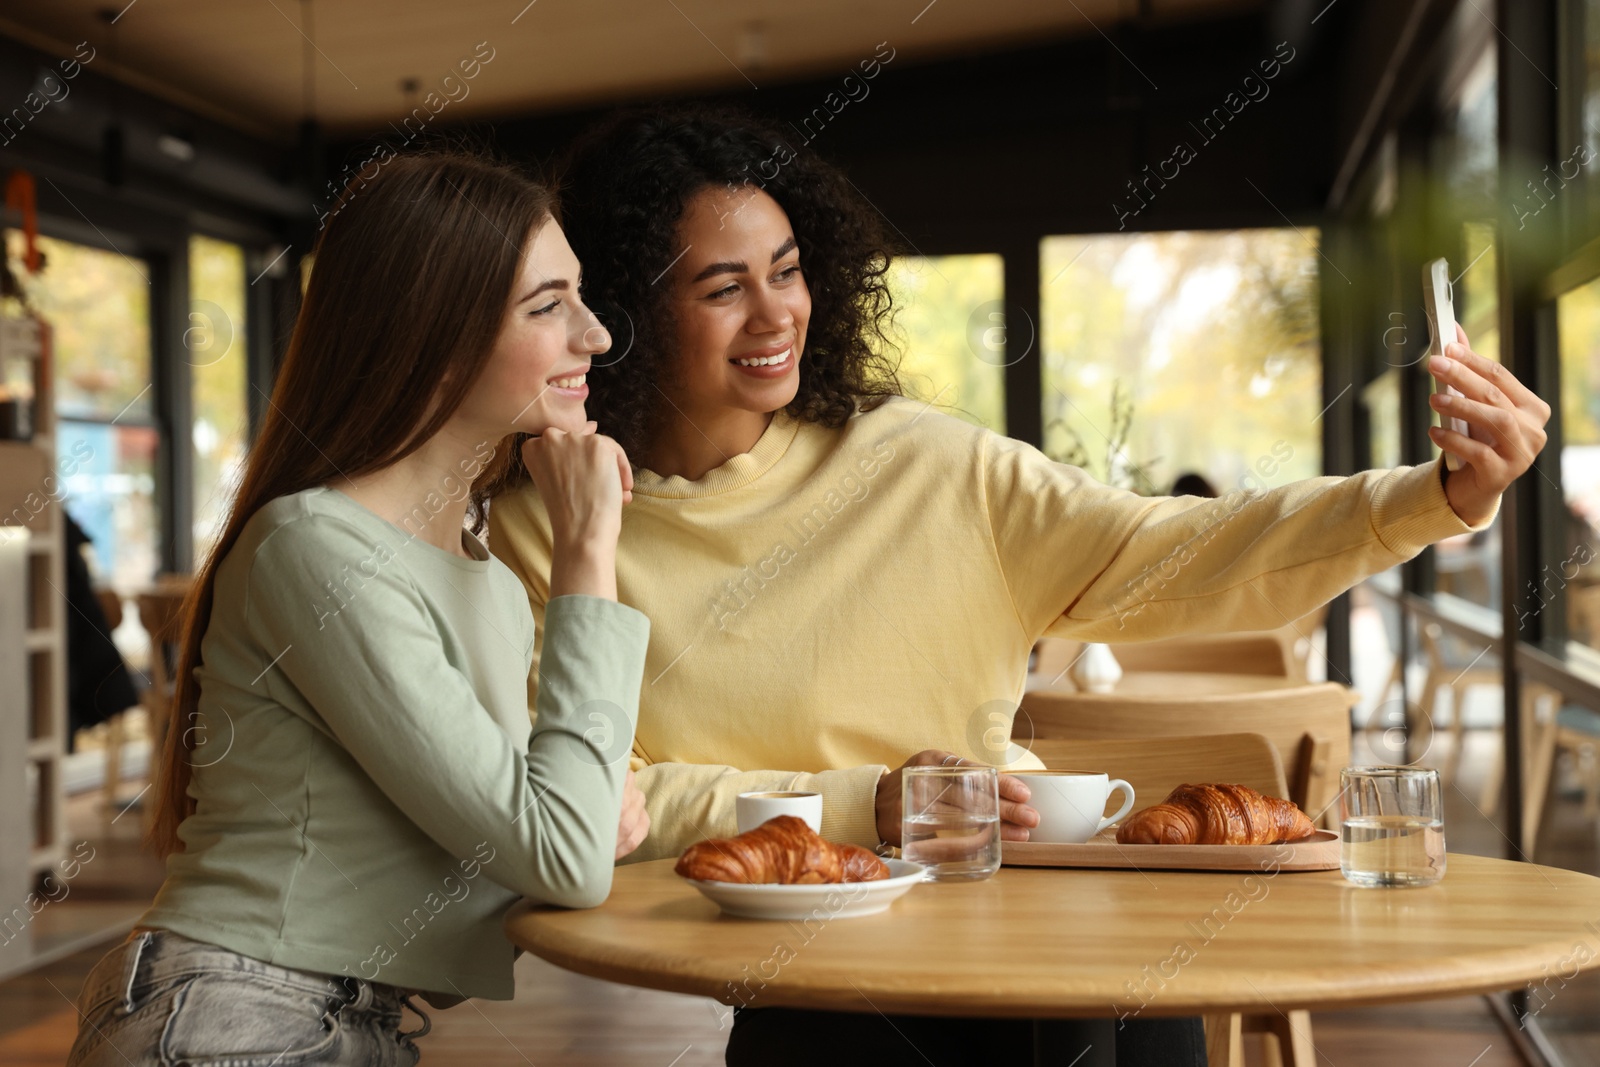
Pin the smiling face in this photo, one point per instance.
(534, 378)
(741, 307)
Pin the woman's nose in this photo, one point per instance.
(772, 313)
(596, 338)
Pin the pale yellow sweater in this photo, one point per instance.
(833, 601)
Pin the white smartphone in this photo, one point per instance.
(1437, 301)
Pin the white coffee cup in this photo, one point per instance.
(1070, 804)
(755, 808)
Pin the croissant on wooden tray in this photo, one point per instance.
(782, 850)
(1216, 815)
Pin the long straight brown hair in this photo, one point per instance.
(411, 281)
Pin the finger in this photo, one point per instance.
(1503, 430)
(1008, 832)
(1492, 423)
(1456, 371)
(939, 849)
(1014, 788)
(1484, 379)
(1018, 814)
(624, 472)
(1485, 459)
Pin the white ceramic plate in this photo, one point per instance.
(839, 900)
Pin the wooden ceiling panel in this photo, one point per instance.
(243, 60)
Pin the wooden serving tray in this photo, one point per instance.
(1319, 852)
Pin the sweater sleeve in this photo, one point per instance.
(1086, 561)
(377, 679)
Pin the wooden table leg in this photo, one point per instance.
(1294, 1038)
(1224, 1043)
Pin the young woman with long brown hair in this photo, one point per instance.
(842, 582)
(351, 793)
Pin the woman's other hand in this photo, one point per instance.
(634, 825)
(1015, 815)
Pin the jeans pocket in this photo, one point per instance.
(105, 1022)
(241, 1019)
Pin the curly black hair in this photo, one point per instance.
(624, 187)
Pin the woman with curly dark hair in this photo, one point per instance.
(839, 577)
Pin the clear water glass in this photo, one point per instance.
(1391, 826)
(951, 821)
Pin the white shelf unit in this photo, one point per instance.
(31, 498)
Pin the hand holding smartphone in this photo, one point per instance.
(1441, 312)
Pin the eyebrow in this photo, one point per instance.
(739, 266)
(549, 283)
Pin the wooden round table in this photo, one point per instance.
(1036, 942)
(1175, 683)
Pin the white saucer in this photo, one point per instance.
(837, 900)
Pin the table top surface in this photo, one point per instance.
(1040, 942)
(1172, 683)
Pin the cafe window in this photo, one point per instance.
(98, 305)
(214, 345)
(1578, 325)
(1147, 337)
(950, 331)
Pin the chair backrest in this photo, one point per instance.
(1309, 725)
(1155, 766)
(1449, 654)
(110, 606)
(1583, 612)
(161, 615)
(1054, 656)
(1246, 653)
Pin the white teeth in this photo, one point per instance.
(765, 361)
(569, 383)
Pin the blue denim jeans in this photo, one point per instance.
(160, 999)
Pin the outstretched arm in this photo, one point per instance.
(1087, 561)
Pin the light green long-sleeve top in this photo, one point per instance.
(371, 794)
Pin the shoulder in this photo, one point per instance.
(311, 536)
(902, 426)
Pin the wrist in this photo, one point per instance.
(586, 567)
(1459, 496)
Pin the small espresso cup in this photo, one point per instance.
(1070, 804)
(753, 809)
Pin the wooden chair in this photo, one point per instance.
(161, 615)
(1154, 766)
(1550, 726)
(1283, 652)
(116, 728)
(1453, 668)
(1054, 656)
(1309, 724)
(1246, 653)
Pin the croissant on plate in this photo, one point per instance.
(1216, 815)
(782, 850)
